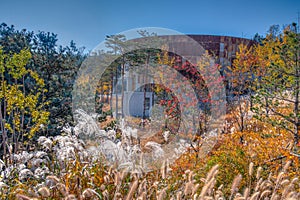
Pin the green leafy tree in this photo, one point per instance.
(56, 65)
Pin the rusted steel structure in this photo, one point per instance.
(222, 48)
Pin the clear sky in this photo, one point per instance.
(87, 22)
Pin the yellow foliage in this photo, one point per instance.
(22, 102)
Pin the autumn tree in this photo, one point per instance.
(22, 109)
(241, 79)
(200, 96)
(212, 92)
(277, 79)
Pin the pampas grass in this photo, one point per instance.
(69, 171)
(116, 184)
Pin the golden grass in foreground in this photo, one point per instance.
(85, 181)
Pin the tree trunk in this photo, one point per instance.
(145, 88)
(111, 94)
(267, 107)
(296, 104)
(4, 135)
(116, 89)
(122, 98)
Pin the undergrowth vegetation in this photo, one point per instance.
(251, 164)
(64, 167)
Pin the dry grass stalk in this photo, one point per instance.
(219, 194)
(51, 181)
(132, 190)
(118, 179)
(62, 189)
(287, 189)
(162, 194)
(195, 188)
(238, 198)
(142, 187)
(195, 196)
(87, 194)
(152, 189)
(118, 195)
(178, 195)
(246, 193)
(44, 192)
(235, 184)
(291, 198)
(255, 196)
(105, 194)
(90, 193)
(71, 197)
(163, 170)
(258, 173)
(143, 196)
(22, 197)
(265, 193)
(109, 172)
(277, 184)
(293, 195)
(284, 182)
(106, 179)
(295, 180)
(123, 174)
(251, 166)
(190, 177)
(207, 187)
(286, 166)
(188, 189)
(279, 177)
(212, 173)
(258, 184)
(275, 197)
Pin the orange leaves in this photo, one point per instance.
(261, 144)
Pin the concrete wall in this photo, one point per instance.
(134, 101)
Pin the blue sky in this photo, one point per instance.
(87, 22)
